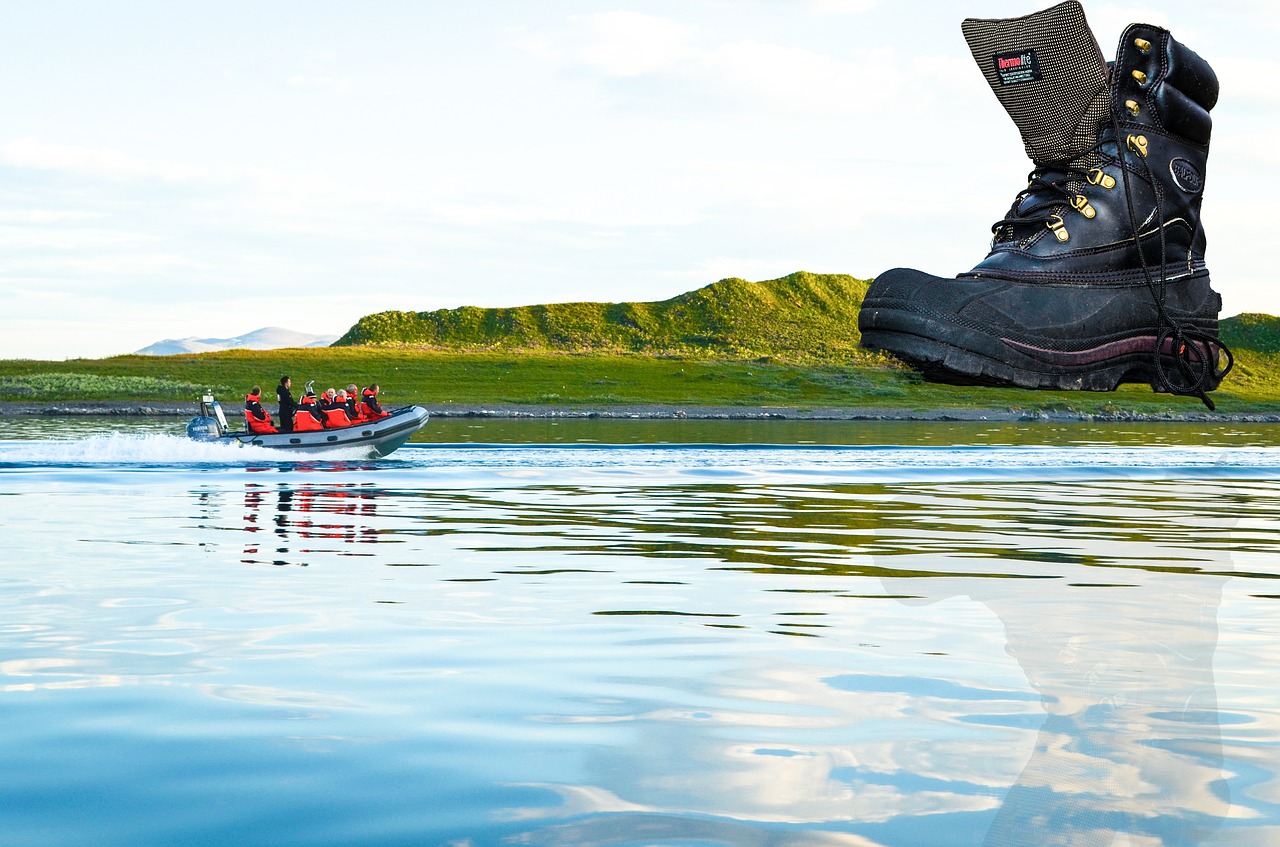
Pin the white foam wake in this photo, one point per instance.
(149, 449)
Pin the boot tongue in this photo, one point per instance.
(1048, 72)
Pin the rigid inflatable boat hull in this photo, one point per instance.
(376, 438)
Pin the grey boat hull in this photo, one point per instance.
(375, 438)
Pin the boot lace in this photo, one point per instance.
(1056, 184)
(1192, 350)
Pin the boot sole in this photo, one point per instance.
(949, 353)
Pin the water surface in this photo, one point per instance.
(814, 634)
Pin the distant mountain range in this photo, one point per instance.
(267, 338)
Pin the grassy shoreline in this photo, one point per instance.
(651, 412)
(788, 343)
(599, 382)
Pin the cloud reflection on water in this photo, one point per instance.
(1110, 614)
(1115, 630)
(1123, 663)
(993, 662)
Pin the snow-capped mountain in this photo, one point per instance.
(267, 338)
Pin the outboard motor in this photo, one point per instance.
(203, 429)
(211, 424)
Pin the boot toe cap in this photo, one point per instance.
(906, 289)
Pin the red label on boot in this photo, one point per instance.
(1013, 68)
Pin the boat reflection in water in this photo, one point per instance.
(305, 520)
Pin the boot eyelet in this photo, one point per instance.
(1138, 144)
(1142, 44)
(1132, 106)
(1059, 227)
(1081, 204)
(1140, 77)
(1098, 176)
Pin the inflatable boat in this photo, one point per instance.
(375, 438)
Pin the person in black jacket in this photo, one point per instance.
(353, 402)
(285, 396)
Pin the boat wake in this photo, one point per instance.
(148, 449)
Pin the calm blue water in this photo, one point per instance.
(968, 635)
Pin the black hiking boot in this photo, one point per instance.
(1096, 275)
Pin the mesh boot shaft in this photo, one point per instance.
(1048, 72)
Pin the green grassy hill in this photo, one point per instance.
(800, 317)
(788, 341)
(1251, 331)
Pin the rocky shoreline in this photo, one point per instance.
(659, 412)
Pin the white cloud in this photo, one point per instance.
(620, 43)
(798, 80)
(842, 7)
(748, 73)
(43, 216)
(323, 84)
(125, 264)
(101, 162)
(1109, 21)
(69, 239)
(631, 43)
(1248, 84)
(752, 269)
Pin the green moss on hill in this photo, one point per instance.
(1251, 331)
(802, 316)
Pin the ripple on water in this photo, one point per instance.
(696, 644)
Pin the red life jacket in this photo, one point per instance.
(303, 420)
(255, 423)
(369, 407)
(336, 416)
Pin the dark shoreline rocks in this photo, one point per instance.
(660, 412)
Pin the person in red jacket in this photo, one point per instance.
(369, 403)
(334, 408)
(349, 405)
(256, 417)
(308, 417)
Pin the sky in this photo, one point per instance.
(205, 169)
